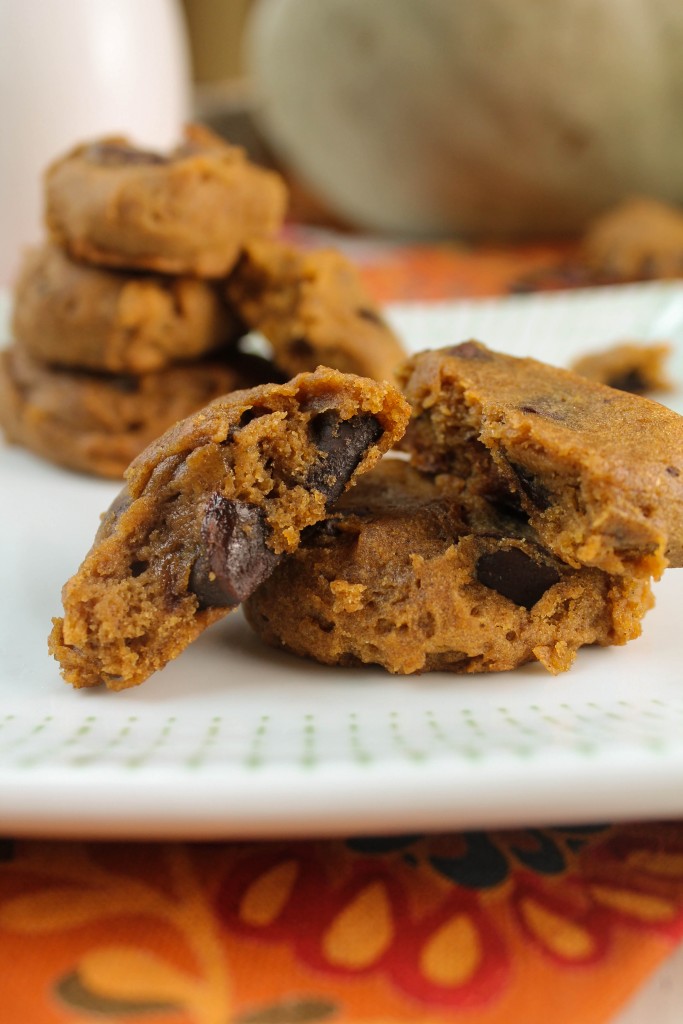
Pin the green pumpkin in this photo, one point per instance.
(504, 118)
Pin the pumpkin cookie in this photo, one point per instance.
(189, 212)
(632, 366)
(98, 423)
(206, 514)
(599, 472)
(402, 577)
(312, 308)
(639, 238)
(72, 314)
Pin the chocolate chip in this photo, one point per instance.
(531, 487)
(254, 413)
(515, 575)
(547, 407)
(343, 444)
(631, 380)
(118, 154)
(234, 556)
(672, 471)
(469, 350)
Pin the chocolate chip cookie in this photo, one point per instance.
(72, 314)
(313, 308)
(401, 576)
(599, 472)
(189, 212)
(97, 423)
(207, 512)
(639, 238)
(638, 367)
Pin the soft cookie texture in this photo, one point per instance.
(598, 472)
(313, 308)
(208, 511)
(97, 423)
(188, 212)
(401, 576)
(71, 314)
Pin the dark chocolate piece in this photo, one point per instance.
(516, 575)
(343, 444)
(235, 556)
(531, 487)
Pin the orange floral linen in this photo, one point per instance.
(476, 928)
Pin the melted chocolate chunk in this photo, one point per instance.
(343, 443)
(234, 556)
(117, 154)
(516, 575)
(532, 487)
(672, 471)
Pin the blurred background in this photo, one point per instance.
(225, 96)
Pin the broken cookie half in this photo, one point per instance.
(208, 511)
(598, 472)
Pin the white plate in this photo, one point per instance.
(236, 740)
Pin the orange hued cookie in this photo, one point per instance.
(639, 238)
(208, 511)
(401, 576)
(97, 423)
(72, 314)
(598, 472)
(313, 308)
(188, 212)
(633, 366)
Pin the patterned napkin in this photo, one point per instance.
(483, 928)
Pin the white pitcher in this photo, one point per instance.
(74, 69)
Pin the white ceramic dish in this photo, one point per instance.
(235, 740)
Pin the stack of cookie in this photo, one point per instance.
(129, 318)
(120, 324)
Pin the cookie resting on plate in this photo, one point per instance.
(638, 367)
(401, 576)
(208, 511)
(599, 472)
(639, 238)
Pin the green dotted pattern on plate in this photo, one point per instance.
(309, 741)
